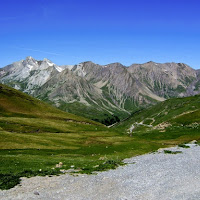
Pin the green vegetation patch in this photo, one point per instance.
(171, 152)
(184, 146)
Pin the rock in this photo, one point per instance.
(59, 165)
(193, 142)
(36, 193)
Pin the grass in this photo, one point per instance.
(87, 152)
(17, 104)
(9, 180)
(34, 136)
(178, 112)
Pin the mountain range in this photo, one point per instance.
(96, 91)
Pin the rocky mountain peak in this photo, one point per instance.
(29, 61)
(29, 58)
(88, 62)
(113, 88)
(115, 65)
(49, 62)
(151, 62)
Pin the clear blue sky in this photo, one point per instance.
(103, 31)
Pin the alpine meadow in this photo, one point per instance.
(99, 100)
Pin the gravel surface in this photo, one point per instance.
(147, 177)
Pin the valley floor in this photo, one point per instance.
(148, 177)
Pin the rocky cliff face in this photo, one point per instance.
(91, 90)
(28, 75)
(166, 80)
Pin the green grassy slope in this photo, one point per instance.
(174, 119)
(34, 136)
(17, 104)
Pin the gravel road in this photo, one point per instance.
(147, 177)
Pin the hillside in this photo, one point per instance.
(14, 103)
(35, 137)
(173, 118)
(101, 91)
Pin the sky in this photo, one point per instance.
(102, 31)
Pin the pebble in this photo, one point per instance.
(36, 193)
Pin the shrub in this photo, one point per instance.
(183, 146)
(172, 152)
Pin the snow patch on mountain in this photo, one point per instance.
(63, 67)
(59, 69)
(17, 87)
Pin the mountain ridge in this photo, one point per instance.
(93, 90)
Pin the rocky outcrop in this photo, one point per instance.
(166, 80)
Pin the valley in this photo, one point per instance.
(99, 100)
(35, 137)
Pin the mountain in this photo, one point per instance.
(101, 91)
(167, 80)
(29, 74)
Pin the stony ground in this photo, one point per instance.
(147, 177)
